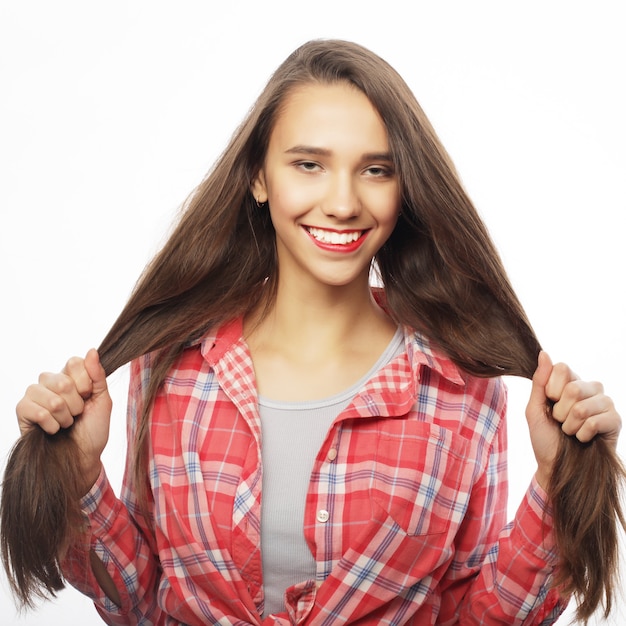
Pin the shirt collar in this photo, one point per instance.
(420, 351)
(218, 342)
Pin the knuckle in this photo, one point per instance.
(568, 428)
(73, 364)
(31, 390)
(44, 377)
(58, 383)
(573, 390)
(560, 368)
(56, 404)
(40, 416)
(579, 412)
(64, 384)
(563, 373)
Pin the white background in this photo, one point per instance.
(110, 113)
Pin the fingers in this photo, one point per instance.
(585, 411)
(581, 407)
(560, 377)
(76, 370)
(42, 407)
(590, 417)
(57, 398)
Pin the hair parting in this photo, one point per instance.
(442, 277)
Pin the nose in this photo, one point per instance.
(342, 198)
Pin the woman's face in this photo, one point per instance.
(333, 194)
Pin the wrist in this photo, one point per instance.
(90, 476)
(543, 478)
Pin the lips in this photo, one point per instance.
(334, 237)
(343, 241)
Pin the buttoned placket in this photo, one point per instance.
(318, 511)
(241, 390)
(323, 515)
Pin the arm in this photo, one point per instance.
(502, 574)
(584, 482)
(507, 576)
(115, 563)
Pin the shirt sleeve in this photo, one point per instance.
(502, 573)
(119, 535)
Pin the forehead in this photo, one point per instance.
(330, 114)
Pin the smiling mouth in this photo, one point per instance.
(334, 237)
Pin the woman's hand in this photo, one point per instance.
(580, 409)
(78, 397)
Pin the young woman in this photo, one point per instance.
(305, 448)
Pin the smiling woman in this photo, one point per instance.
(258, 317)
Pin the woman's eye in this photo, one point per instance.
(307, 166)
(378, 171)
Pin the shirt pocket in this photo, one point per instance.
(423, 476)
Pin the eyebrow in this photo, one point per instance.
(316, 151)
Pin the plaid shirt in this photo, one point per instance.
(405, 511)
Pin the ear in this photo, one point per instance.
(259, 188)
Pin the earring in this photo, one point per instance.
(260, 204)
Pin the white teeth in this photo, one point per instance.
(327, 236)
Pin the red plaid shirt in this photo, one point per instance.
(405, 511)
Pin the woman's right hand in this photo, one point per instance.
(78, 396)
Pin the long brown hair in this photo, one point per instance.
(442, 276)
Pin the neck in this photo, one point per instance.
(313, 344)
(319, 320)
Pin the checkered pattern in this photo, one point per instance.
(405, 512)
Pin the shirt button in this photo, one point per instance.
(322, 516)
(332, 454)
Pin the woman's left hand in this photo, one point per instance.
(580, 409)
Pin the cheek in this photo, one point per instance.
(389, 212)
(290, 200)
(387, 221)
